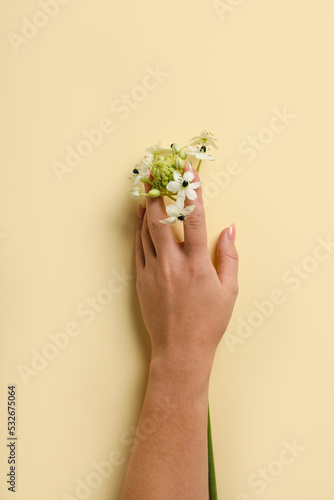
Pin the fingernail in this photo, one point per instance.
(231, 234)
(187, 164)
(140, 211)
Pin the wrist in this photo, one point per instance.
(187, 380)
(177, 360)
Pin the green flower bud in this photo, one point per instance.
(154, 193)
(162, 170)
(183, 154)
(179, 163)
(176, 148)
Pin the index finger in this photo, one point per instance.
(195, 237)
(161, 234)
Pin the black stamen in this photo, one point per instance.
(185, 184)
(181, 217)
(135, 171)
(203, 148)
(172, 144)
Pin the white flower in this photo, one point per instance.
(205, 138)
(157, 150)
(199, 153)
(177, 212)
(183, 185)
(140, 174)
(135, 192)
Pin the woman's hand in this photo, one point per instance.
(186, 304)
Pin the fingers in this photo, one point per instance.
(161, 234)
(148, 246)
(228, 261)
(195, 238)
(140, 257)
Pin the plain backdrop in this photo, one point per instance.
(259, 75)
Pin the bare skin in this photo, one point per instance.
(186, 306)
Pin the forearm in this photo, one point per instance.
(172, 462)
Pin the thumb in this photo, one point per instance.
(228, 260)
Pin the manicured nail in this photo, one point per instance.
(140, 211)
(231, 234)
(187, 164)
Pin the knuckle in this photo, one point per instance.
(155, 225)
(167, 272)
(197, 266)
(194, 221)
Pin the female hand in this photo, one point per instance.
(186, 304)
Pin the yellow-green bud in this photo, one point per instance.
(176, 148)
(154, 193)
(179, 163)
(183, 154)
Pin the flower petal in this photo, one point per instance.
(210, 142)
(196, 185)
(188, 175)
(196, 140)
(181, 195)
(187, 210)
(191, 194)
(170, 221)
(146, 162)
(180, 202)
(172, 210)
(173, 187)
(164, 151)
(177, 177)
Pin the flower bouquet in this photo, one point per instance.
(163, 169)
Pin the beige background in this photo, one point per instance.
(61, 241)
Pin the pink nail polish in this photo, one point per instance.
(231, 234)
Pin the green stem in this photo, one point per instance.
(161, 194)
(212, 474)
(199, 165)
